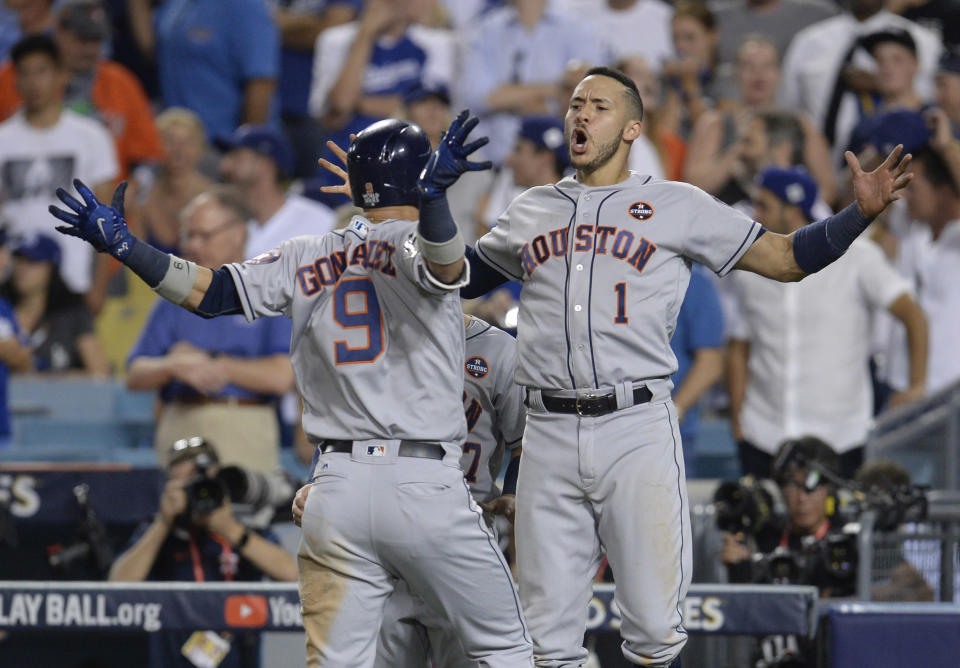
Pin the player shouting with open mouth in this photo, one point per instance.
(604, 258)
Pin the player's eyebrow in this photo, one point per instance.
(601, 100)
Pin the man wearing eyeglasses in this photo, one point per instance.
(218, 378)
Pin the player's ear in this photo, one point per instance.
(632, 131)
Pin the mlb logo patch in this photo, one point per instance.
(359, 227)
(477, 367)
(376, 450)
(641, 210)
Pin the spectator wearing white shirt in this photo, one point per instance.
(257, 160)
(617, 23)
(930, 256)
(799, 352)
(43, 147)
(826, 67)
(513, 66)
(777, 20)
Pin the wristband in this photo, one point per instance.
(242, 543)
(817, 245)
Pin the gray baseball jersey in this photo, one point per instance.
(364, 347)
(493, 405)
(604, 272)
(377, 349)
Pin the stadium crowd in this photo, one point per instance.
(217, 111)
(754, 101)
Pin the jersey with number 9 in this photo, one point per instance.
(373, 347)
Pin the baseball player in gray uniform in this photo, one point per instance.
(605, 258)
(377, 348)
(412, 631)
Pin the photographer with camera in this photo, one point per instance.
(196, 537)
(805, 471)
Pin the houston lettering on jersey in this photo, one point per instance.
(374, 254)
(620, 243)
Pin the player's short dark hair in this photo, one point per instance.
(35, 44)
(935, 169)
(632, 93)
(784, 126)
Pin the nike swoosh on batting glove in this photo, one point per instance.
(98, 224)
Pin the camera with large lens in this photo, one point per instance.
(205, 491)
(258, 498)
(829, 563)
(748, 506)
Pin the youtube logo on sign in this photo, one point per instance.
(246, 611)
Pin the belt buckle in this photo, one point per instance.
(588, 395)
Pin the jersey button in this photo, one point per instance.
(581, 347)
(579, 267)
(577, 308)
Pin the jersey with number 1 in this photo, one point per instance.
(493, 405)
(604, 271)
(377, 343)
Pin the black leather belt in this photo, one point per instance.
(406, 449)
(585, 405)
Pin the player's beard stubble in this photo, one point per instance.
(604, 153)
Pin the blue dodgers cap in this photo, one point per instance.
(418, 93)
(899, 127)
(39, 248)
(950, 61)
(546, 132)
(792, 186)
(263, 139)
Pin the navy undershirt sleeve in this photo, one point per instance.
(221, 297)
(483, 277)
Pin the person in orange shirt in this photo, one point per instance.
(97, 87)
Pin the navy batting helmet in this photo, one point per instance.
(384, 162)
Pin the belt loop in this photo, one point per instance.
(624, 392)
(535, 399)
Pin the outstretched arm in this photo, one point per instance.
(813, 247)
(440, 237)
(180, 281)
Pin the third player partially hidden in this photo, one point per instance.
(604, 258)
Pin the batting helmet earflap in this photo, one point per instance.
(384, 162)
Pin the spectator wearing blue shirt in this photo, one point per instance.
(220, 59)
(362, 70)
(20, 18)
(513, 66)
(698, 344)
(218, 378)
(186, 544)
(14, 354)
(300, 23)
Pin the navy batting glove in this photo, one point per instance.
(449, 160)
(100, 225)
